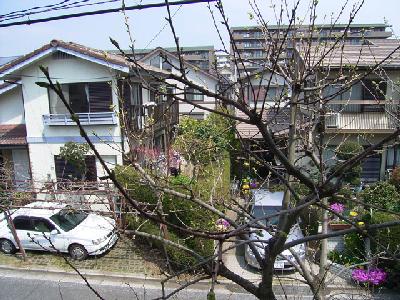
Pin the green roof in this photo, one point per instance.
(380, 25)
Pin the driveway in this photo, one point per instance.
(124, 257)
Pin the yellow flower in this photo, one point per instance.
(245, 186)
(353, 214)
(360, 223)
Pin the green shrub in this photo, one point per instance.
(177, 211)
(353, 252)
(382, 194)
(395, 179)
(344, 258)
(389, 237)
(346, 151)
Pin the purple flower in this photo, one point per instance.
(360, 275)
(223, 222)
(337, 207)
(377, 276)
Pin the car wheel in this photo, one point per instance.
(7, 246)
(77, 252)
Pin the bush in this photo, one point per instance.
(177, 211)
(353, 252)
(382, 194)
(346, 151)
(395, 179)
(389, 237)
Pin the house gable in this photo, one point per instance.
(92, 55)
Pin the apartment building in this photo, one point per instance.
(253, 42)
(368, 111)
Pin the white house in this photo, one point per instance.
(34, 123)
(162, 59)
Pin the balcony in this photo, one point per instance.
(361, 122)
(102, 118)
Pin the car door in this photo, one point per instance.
(45, 236)
(24, 228)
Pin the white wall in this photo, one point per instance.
(196, 77)
(45, 141)
(11, 107)
(42, 159)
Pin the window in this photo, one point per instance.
(42, 225)
(161, 63)
(23, 223)
(374, 89)
(68, 218)
(67, 171)
(263, 211)
(194, 115)
(83, 98)
(155, 61)
(192, 94)
(260, 93)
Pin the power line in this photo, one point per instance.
(105, 11)
(49, 8)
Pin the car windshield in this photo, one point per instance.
(67, 218)
(261, 211)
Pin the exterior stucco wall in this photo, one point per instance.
(44, 140)
(12, 107)
(196, 77)
(42, 159)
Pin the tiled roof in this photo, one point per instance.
(13, 135)
(91, 52)
(278, 122)
(276, 119)
(366, 55)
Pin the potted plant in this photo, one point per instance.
(338, 225)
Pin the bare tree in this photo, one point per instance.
(304, 67)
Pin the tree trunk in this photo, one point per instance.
(265, 291)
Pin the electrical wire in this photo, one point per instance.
(105, 11)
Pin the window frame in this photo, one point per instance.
(191, 96)
(90, 97)
(17, 218)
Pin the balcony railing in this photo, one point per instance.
(371, 121)
(102, 118)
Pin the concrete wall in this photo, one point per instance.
(12, 107)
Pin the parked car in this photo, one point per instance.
(58, 227)
(267, 203)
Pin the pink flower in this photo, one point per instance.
(360, 275)
(337, 207)
(375, 276)
(223, 222)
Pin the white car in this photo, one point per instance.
(269, 203)
(58, 227)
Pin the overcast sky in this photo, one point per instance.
(193, 23)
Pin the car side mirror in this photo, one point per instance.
(54, 232)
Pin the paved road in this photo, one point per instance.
(25, 286)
